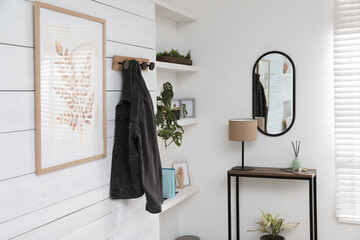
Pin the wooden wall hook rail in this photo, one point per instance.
(120, 59)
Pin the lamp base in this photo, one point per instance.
(242, 168)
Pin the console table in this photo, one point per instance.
(264, 172)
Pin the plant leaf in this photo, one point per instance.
(290, 225)
(261, 229)
(261, 223)
(278, 225)
(59, 49)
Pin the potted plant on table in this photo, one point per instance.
(273, 225)
(168, 128)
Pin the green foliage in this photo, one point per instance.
(188, 55)
(164, 53)
(273, 225)
(165, 119)
(174, 53)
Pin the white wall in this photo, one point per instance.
(72, 203)
(167, 37)
(226, 41)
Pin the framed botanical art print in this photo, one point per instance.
(70, 88)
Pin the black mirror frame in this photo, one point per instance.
(294, 93)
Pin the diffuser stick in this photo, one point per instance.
(298, 149)
(292, 143)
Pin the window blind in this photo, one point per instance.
(347, 109)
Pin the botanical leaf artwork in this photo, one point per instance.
(74, 70)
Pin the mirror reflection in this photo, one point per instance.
(274, 93)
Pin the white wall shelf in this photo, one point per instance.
(182, 195)
(188, 121)
(171, 12)
(176, 68)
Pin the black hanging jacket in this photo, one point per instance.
(136, 166)
(261, 107)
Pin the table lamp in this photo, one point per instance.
(242, 129)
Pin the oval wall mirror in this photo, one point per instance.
(274, 93)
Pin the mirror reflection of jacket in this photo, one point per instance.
(136, 165)
(261, 108)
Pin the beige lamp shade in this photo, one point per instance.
(242, 129)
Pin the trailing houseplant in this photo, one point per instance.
(273, 225)
(168, 128)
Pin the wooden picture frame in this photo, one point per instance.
(189, 106)
(175, 103)
(70, 88)
(184, 166)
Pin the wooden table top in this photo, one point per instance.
(272, 172)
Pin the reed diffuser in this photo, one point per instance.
(296, 164)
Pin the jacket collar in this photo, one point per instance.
(128, 81)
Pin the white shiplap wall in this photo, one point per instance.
(72, 203)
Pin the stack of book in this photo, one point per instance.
(168, 175)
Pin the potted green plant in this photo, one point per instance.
(174, 56)
(168, 128)
(176, 111)
(273, 225)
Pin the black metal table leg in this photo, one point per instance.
(311, 209)
(237, 210)
(229, 206)
(315, 209)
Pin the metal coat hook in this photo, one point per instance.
(125, 64)
(122, 62)
(144, 65)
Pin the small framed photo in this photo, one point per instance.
(175, 103)
(189, 106)
(185, 169)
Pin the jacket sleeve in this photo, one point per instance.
(145, 144)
